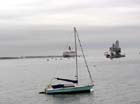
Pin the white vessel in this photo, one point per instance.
(69, 53)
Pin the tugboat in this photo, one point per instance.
(114, 51)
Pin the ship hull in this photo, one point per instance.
(69, 54)
(70, 90)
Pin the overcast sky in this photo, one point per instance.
(70, 12)
(34, 27)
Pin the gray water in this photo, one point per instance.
(116, 81)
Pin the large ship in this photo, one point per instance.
(114, 51)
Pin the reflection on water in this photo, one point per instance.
(81, 98)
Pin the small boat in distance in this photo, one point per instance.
(73, 85)
(114, 51)
(69, 53)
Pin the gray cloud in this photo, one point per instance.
(26, 12)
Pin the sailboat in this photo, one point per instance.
(74, 86)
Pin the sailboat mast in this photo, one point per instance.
(76, 55)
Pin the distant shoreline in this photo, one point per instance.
(27, 57)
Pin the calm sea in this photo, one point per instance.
(116, 81)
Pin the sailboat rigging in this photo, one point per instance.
(74, 87)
